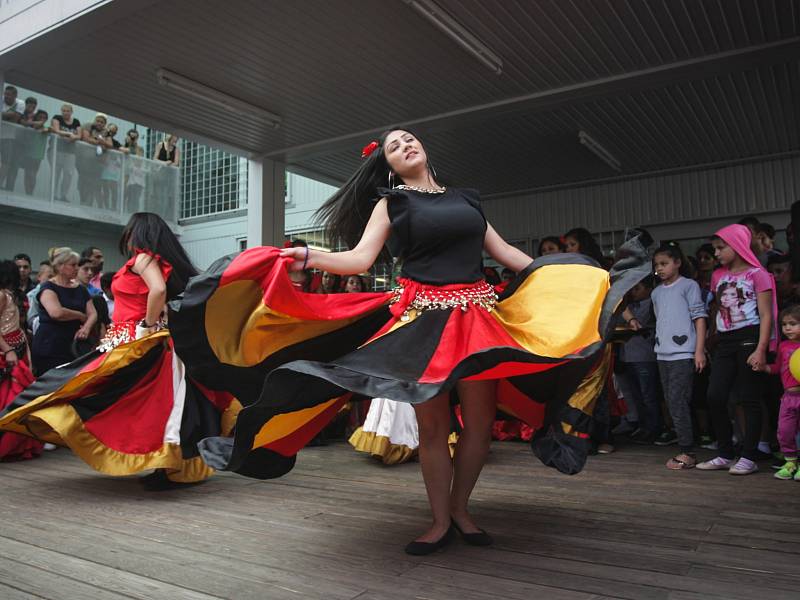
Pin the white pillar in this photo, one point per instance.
(2, 86)
(266, 193)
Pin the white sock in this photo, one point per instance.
(764, 447)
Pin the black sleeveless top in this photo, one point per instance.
(438, 236)
(164, 154)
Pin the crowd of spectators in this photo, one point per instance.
(677, 378)
(89, 154)
(65, 311)
(688, 371)
(675, 330)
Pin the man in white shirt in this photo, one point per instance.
(13, 109)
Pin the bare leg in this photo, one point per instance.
(433, 419)
(478, 407)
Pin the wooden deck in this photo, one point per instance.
(335, 529)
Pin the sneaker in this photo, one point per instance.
(666, 439)
(605, 449)
(787, 471)
(745, 466)
(50, 447)
(716, 464)
(711, 445)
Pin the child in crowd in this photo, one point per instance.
(789, 415)
(638, 377)
(745, 295)
(679, 345)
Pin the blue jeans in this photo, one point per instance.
(639, 382)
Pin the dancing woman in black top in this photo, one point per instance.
(538, 347)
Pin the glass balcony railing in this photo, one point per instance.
(43, 171)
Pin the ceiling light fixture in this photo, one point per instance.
(198, 90)
(599, 151)
(458, 33)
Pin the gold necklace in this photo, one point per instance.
(422, 190)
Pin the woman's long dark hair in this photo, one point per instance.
(9, 276)
(148, 231)
(10, 280)
(345, 214)
(587, 244)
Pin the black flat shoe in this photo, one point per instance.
(158, 481)
(425, 548)
(479, 538)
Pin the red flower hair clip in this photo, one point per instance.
(368, 149)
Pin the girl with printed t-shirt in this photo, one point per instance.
(745, 296)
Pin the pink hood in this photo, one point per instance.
(739, 237)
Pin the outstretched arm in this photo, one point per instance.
(357, 260)
(503, 252)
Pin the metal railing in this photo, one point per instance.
(43, 171)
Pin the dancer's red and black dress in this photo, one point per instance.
(242, 327)
(14, 379)
(127, 406)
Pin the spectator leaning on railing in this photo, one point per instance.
(112, 169)
(34, 150)
(28, 149)
(68, 129)
(13, 108)
(134, 173)
(89, 168)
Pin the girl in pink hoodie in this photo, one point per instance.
(744, 293)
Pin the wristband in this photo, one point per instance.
(143, 323)
(305, 261)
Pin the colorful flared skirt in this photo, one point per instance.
(293, 358)
(12, 381)
(125, 410)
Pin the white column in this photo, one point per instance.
(266, 193)
(2, 86)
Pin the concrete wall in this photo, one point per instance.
(688, 205)
(35, 239)
(685, 206)
(208, 241)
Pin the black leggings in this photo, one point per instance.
(731, 373)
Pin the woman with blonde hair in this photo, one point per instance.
(67, 313)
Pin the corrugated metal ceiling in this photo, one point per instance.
(334, 68)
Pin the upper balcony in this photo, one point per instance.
(40, 171)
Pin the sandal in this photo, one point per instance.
(681, 462)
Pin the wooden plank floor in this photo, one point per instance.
(335, 527)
